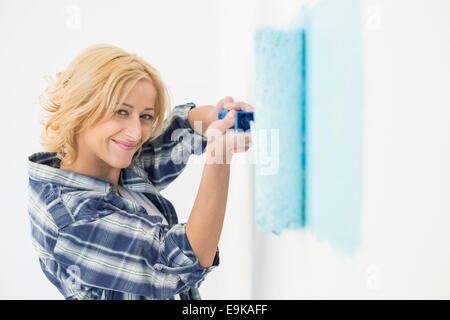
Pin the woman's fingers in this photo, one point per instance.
(228, 139)
(239, 141)
(240, 105)
(222, 102)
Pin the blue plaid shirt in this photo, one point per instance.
(93, 244)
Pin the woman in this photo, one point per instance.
(100, 226)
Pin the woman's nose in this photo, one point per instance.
(133, 130)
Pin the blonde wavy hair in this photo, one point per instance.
(87, 92)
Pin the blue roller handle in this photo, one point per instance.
(241, 120)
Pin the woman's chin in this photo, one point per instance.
(120, 162)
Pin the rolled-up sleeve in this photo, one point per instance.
(131, 253)
(165, 157)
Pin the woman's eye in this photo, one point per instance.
(149, 117)
(122, 112)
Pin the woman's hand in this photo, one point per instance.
(228, 104)
(223, 141)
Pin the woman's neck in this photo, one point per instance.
(111, 176)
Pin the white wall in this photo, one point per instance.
(407, 209)
(204, 52)
(405, 251)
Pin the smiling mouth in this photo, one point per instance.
(123, 146)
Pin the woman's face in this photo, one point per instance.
(116, 140)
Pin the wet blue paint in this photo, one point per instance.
(318, 106)
(279, 100)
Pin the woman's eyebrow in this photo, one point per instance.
(129, 105)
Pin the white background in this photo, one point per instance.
(203, 49)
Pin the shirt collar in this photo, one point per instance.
(44, 166)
